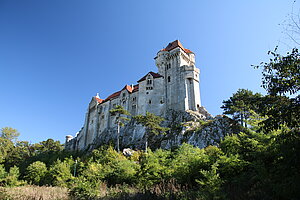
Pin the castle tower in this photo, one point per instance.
(177, 65)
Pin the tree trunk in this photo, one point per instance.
(146, 142)
(118, 138)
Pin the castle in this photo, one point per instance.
(175, 87)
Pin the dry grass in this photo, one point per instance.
(34, 193)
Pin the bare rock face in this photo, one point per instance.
(197, 129)
(202, 133)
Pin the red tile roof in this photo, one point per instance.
(99, 100)
(175, 44)
(116, 94)
(155, 75)
(128, 88)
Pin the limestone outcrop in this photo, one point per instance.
(185, 127)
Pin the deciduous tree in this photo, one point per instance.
(10, 133)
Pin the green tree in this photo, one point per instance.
(151, 122)
(281, 76)
(12, 178)
(10, 133)
(35, 173)
(60, 173)
(155, 167)
(5, 147)
(116, 168)
(241, 105)
(2, 174)
(18, 154)
(210, 183)
(50, 145)
(187, 163)
(119, 111)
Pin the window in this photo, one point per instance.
(124, 94)
(161, 100)
(149, 101)
(168, 66)
(134, 99)
(169, 79)
(149, 88)
(149, 82)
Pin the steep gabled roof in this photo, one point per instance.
(175, 44)
(116, 94)
(128, 88)
(112, 96)
(153, 74)
(99, 100)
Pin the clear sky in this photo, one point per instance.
(55, 55)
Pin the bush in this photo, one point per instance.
(12, 178)
(60, 173)
(84, 189)
(187, 163)
(35, 173)
(155, 166)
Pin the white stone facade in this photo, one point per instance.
(174, 87)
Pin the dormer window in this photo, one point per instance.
(124, 94)
(149, 82)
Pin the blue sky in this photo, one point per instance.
(55, 55)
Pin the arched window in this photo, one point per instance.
(169, 79)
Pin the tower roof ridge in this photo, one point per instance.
(153, 74)
(174, 44)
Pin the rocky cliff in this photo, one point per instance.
(190, 127)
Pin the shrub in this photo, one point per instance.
(60, 173)
(35, 173)
(187, 163)
(155, 166)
